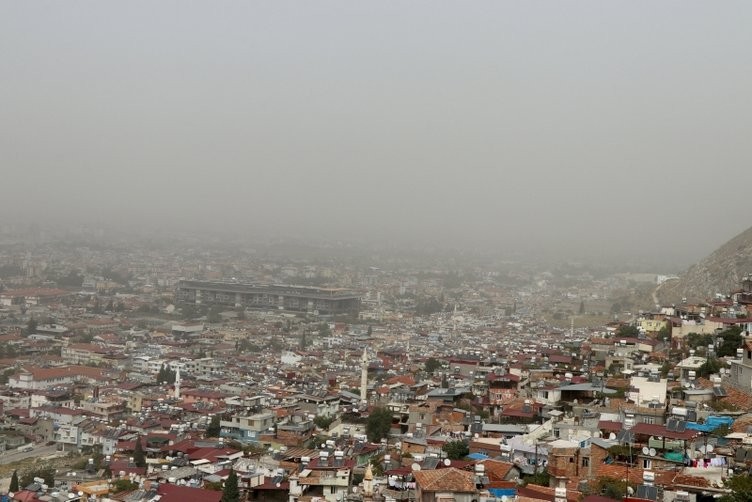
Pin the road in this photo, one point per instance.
(11, 456)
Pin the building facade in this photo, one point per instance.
(312, 300)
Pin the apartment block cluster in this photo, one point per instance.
(376, 386)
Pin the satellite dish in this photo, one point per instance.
(447, 462)
(415, 466)
(612, 436)
(504, 498)
(645, 450)
(652, 452)
(701, 449)
(710, 448)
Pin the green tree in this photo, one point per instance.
(214, 427)
(231, 493)
(379, 424)
(456, 450)
(664, 334)
(731, 339)
(626, 331)
(581, 310)
(14, 482)
(31, 326)
(610, 487)
(431, 365)
(376, 466)
(542, 478)
(166, 375)
(323, 422)
(695, 340)
(123, 485)
(712, 365)
(139, 457)
(47, 473)
(741, 486)
(665, 369)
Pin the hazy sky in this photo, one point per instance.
(607, 127)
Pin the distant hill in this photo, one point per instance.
(720, 272)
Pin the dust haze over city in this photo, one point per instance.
(577, 131)
(371, 251)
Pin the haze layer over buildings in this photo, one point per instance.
(578, 130)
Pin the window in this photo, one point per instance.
(647, 463)
(648, 420)
(585, 461)
(571, 460)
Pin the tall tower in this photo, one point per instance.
(364, 375)
(368, 484)
(177, 383)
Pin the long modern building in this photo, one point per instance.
(312, 300)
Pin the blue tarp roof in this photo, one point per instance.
(711, 423)
(500, 492)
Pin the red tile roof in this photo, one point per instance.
(450, 480)
(64, 371)
(661, 430)
(211, 454)
(545, 493)
(497, 470)
(175, 493)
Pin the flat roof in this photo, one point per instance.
(287, 289)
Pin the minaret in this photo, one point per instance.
(177, 383)
(368, 484)
(364, 375)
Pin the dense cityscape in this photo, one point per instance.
(375, 251)
(138, 373)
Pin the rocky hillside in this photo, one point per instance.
(720, 272)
